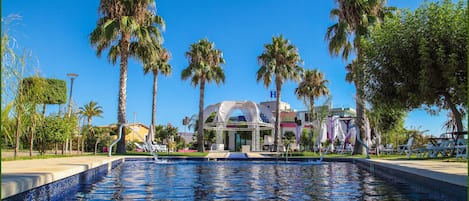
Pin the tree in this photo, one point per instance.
(122, 27)
(279, 61)
(54, 131)
(354, 17)
(90, 110)
(15, 66)
(160, 65)
(312, 86)
(204, 67)
(420, 59)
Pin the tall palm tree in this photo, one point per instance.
(155, 67)
(312, 86)
(123, 25)
(279, 61)
(204, 66)
(90, 110)
(354, 17)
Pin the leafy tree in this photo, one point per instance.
(7, 127)
(389, 122)
(54, 131)
(16, 65)
(161, 65)
(204, 66)
(420, 58)
(354, 17)
(279, 60)
(124, 26)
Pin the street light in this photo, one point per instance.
(72, 77)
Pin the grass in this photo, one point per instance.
(179, 154)
(199, 154)
(382, 156)
(46, 156)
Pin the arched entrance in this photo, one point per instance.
(233, 120)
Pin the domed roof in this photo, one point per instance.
(254, 113)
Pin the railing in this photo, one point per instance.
(118, 138)
(358, 137)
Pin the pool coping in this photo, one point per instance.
(20, 179)
(447, 186)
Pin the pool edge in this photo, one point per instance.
(17, 185)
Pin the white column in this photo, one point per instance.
(231, 135)
(219, 138)
(256, 139)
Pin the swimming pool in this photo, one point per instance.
(243, 180)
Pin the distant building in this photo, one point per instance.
(187, 136)
(137, 133)
(272, 105)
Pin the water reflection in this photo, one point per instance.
(145, 180)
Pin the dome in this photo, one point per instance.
(254, 114)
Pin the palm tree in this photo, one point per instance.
(204, 66)
(280, 61)
(312, 86)
(354, 17)
(90, 110)
(160, 65)
(122, 26)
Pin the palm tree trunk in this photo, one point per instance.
(155, 88)
(277, 116)
(311, 114)
(360, 104)
(121, 113)
(201, 141)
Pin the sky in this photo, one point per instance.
(57, 34)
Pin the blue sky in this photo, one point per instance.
(57, 33)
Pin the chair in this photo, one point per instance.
(389, 149)
(461, 148)
(161, 148)
(381, 149)
(407, 148)
(444, 148)
(427, 150)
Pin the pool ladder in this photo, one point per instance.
(118, 138)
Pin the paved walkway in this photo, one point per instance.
(22, 175)
(450, 172)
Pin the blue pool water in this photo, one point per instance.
(243, 180)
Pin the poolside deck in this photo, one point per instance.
(20, 176)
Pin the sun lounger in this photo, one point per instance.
(445, 148)
(407, 148)
(461, 148)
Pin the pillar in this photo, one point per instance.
(219, 139)
(231, 139)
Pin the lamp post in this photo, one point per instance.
(72, 77)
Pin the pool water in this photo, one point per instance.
(243, 180)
